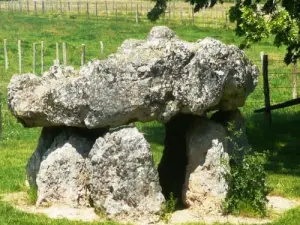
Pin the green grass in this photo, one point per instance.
(18, 143)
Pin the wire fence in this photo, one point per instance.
(134, 11)
(38, 57)
(282, 87)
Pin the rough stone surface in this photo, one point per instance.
(152, 79)
(235, 126)
(45, 141)
(123, 181)
(208, 164)
(63, 176)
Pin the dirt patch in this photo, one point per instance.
(276, 206)
(280, 204)
(20, 201)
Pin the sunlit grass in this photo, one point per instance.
(18, 143)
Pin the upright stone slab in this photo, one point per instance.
(205, 185)
(63, 176)
(58, 166)
(123, 181)
(45, 141)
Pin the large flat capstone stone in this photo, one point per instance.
(145, 80)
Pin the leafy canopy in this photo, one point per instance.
(255, 20)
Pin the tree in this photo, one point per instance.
(257, 19)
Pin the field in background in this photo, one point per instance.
(18, 143)
(133, 11)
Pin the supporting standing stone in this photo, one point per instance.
(205, 186)
(63, 175)
(58, 166)
(122, 178)
(45, 141)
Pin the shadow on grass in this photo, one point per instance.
(281, 138)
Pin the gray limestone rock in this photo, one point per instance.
(45, 141)
(152, 79)
(63, 176)
(234, 124)
(123, 181)
(206, 187)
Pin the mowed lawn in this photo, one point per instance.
(17, 144)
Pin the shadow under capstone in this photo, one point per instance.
(172, 167)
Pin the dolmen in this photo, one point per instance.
(88, 156)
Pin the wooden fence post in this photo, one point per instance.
(96, 5)
(169, 12)
(64, 54)
(20, 6)
(43, 6)
(203, 14)
(106, 9)
(5, 54)
(174, 8)
(69, 8)
(42, 57)
(193, 15)
(295, 92)
(216, 18)
(78, 9)
(87, 10)
(181, 14)
(57, 54)
(34, 58)
(20, 56)
(265, 64)
(60, 7)
(101, 49)
(83, 55)
(137, 14)
(35, 12)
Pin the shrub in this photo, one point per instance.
(248, 189)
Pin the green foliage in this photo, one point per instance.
(247, 180)
(168, 208)
(254, 24)
(257, 19)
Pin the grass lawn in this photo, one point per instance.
(17, 144)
